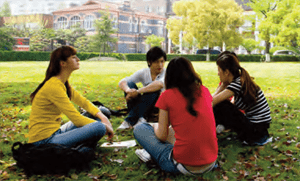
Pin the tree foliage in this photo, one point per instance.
(83, 44)
(209, 22)
(285, 23)
(6, 40)
(154, 40)
(5, 10)
(262, 8)
(250, 44)
(103, 40)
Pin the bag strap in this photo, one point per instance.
(118, 112)
(14, 145)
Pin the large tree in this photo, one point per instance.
(262, 8)
(209, 22)
(104, 29)
(285, 23)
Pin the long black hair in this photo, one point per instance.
(181, 74)
(249, 87)
(60, 54)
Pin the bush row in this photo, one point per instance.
(213, 57)
(45, 56)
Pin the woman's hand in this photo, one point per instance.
(107, 123)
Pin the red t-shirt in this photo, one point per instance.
(196, 140)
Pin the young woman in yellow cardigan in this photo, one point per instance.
(53, 97)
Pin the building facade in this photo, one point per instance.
(133, 26)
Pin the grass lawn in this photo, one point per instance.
(279, 160)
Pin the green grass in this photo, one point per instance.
(279, 160)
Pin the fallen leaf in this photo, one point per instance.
(225, 177)
(147, 173)
(74, 176)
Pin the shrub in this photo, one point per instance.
(285, 58)
(45, 56)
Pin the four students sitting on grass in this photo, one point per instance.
(184, 139)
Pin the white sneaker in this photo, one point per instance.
(124, 125)
(140, 121)
(143, 155)
(220, 128)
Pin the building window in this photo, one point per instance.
(147, 8)
(160, 28)
(130, 25)
(74, 20)
(143, 26)
(135, 26)
(115, 22)
(89, 22)
(61, 23)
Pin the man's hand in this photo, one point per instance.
(131, 94)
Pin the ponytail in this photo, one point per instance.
(230, 62)
(249, 87)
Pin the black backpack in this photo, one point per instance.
(51, 158)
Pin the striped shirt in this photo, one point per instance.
(256, 113)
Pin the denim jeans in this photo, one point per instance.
(159, 151)
(71, 136)
(141, 105)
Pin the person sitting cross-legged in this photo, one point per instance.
(141, 101)
(190, 145)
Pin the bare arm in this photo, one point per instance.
(222, 96)
(153, 87)
(162, 129)
(123, 85)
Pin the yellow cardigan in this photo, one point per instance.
(48, 105)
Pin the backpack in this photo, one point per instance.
(51, 158)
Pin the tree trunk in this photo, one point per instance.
(104, 48)
(268, 49)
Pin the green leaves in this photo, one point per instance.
(208, 21)
(154, 40)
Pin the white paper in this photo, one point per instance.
(120, 144)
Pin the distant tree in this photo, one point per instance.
(83, 44)
(19, 24)
(262, 8)
(250, 44)
(209, 22)
(104, 29)
(6, 40)
(285, 26)
(74, 33)
(154, 40)
(5, 10)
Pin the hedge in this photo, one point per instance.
(285, 58)
(45, 56)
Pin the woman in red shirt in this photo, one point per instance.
(186, 105)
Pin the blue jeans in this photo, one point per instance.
(71, 136)
(141, 105)
(159, 151)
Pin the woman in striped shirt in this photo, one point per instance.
(251, 126)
